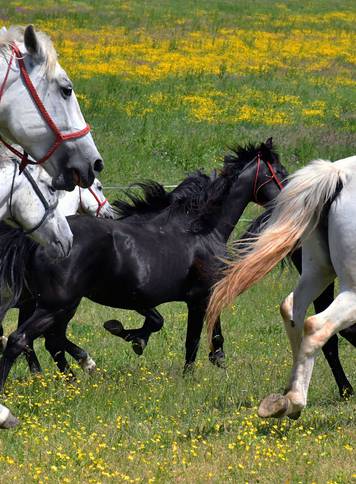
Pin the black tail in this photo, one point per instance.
(15, 249)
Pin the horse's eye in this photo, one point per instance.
(100, 188)
(66, 91)
(52, 190)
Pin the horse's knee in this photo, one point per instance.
(16, 344)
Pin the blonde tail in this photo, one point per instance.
(298, 209)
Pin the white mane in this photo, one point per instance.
(16, 34)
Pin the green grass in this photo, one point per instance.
(137, 419)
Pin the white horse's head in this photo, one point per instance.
(33, 205)
(94, 202)
(74, 161)
(91, 201)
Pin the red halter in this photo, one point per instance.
(59, 137)
(273, 176)
(100, 204)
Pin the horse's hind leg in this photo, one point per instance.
(317, 330)
(217, 356)
(331, 348)
(3, 339)
(317, 274)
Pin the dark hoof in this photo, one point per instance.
(346, 392)
(114, 327)
(295, 416)
(138, 345)
(273, 406)
(10, 422)
(217, 358)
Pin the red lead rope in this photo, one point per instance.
(59, 137)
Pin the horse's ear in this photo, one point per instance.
(269, 143)
(31, 42)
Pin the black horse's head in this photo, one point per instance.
(262, 169)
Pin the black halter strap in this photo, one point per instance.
(48, 208)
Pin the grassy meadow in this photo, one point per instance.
(167, 87)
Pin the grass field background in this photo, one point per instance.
(167, 87)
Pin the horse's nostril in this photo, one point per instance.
(98, 165)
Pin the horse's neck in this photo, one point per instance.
(69, 202)
(6, 177)
(232, 208)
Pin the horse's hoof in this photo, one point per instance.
(217, 358)
(346, 392)
(138, 345)
(114, 327)
(295, 416)
(10, 422)
(273, 406)
(88, 364)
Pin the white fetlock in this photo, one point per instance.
(88, 364)
(3, 343)
(4, 414)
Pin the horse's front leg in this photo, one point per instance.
(196, 314)
(19, 341)
(25, 311)
(57, 344)
(139, 337)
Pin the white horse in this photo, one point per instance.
(40, 112)
(318, 208)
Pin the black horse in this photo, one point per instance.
(161, 253)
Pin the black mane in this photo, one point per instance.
(199, 196)
(154, 198)
(241, 155)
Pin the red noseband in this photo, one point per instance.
(273, 176)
